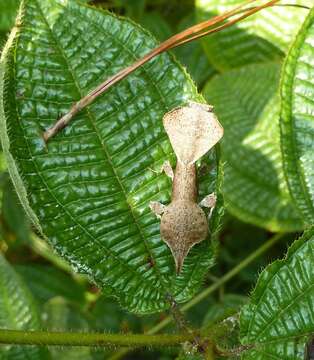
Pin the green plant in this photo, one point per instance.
(87, 190)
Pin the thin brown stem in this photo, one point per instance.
(183, 325)
(183, 37)
(228, 24)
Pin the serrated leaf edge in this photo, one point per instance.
(286, 92)
(268, 274)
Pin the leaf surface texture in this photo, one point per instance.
(90, 187)
(17, 312)
(279, 320)
(297, 119)
(246, 102)
(262, 37)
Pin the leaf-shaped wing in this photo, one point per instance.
(193, 130)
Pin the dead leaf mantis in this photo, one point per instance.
(193, 130)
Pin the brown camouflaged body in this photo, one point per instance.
(192, 131)
(183, 223)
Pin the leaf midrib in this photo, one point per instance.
(282, 338)
(166, 291)
(259, 346)
(282, 310)
(61, 205)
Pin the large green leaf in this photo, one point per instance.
(297, 119)
(262, 37)
(89, 189)
(16, 303)
(18, 312)
(280, 318)
(247, 104)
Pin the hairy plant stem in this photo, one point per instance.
(90, 339)
(205, 293)
(182, 323)
(129, 340)
(190, 34)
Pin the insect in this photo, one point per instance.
(193, 130)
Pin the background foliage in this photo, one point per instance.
(258, 75)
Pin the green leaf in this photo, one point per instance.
(89, 189)
(193, 56)
(17, 312)
(47, 282)
(280, 317)
(247, 104)
(262, 37)
(297, 119)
